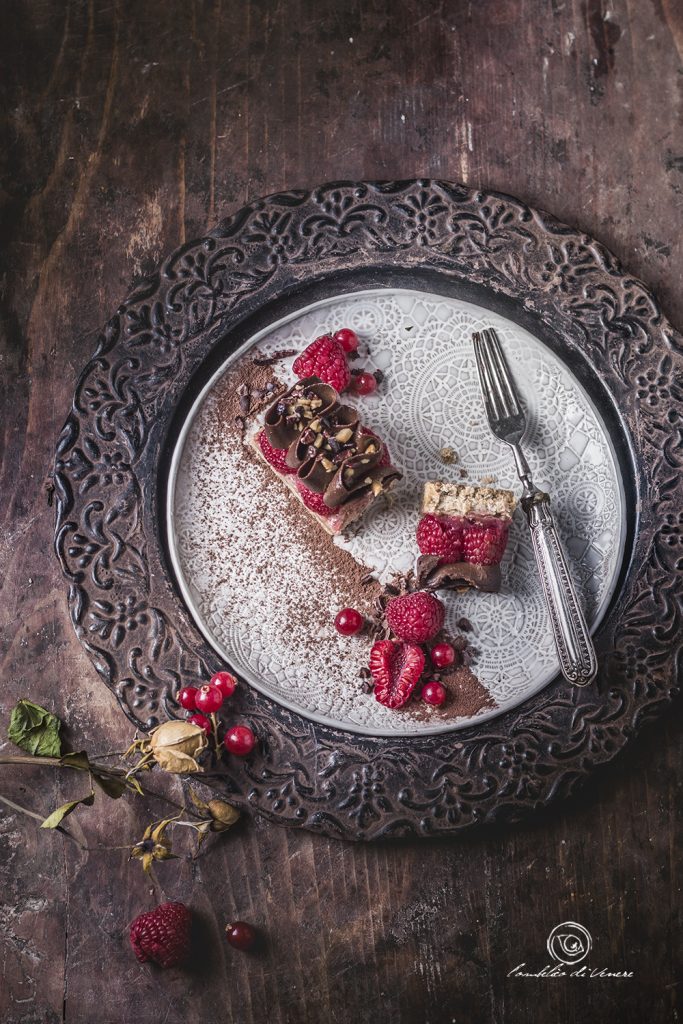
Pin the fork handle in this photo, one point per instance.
(572, 639)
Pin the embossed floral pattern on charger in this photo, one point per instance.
(258, 265)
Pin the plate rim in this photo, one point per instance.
(130, 619)
(180, 577)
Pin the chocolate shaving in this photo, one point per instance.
(368, 578)
(283, 353)
(378, 375)
(391, 589)
(465, 625)
(245, 404)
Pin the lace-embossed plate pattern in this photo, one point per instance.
(429, 399)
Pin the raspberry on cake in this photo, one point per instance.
(335, 466)
(462, 535)
(324, 358)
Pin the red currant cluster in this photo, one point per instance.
(206, 700)
(361, 383)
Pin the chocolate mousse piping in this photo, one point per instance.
(326, 443)
(456, 575)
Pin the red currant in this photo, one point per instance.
(363, 384)
(442, 655)
(434, 693)
(348, 622)
(202, 721)
(209, 698)
(225, 682)
(239, 740)
(186, 697)
(347, 338)
(240, 935)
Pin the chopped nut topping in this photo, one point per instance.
(448, 455)
(377, 487)
(329, 466)
(344, 435)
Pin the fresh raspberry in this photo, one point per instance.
(324, 358)
(395, 669)
(313, 501)
(440, 535)
(162, 935)
(274, 456)
(415, 617)
(484, 543)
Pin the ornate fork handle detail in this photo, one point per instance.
(572, 639)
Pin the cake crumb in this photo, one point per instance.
(448, 455)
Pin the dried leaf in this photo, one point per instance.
(57, 816)
(35, 730)
(200, 804)
(76, 760)
(109, 784)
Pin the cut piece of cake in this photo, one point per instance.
(462, 535)
(336, 467)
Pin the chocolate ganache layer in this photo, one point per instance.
(331, 451)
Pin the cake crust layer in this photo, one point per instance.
(444, 499)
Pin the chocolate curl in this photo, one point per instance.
(317, 466)
(282, 429)
(359, 472)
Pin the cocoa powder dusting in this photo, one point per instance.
(266, 535)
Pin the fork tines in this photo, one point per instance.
(497, 387)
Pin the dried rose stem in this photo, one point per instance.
(55, 762)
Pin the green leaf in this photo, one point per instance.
(35, 730)
(57, 816)
(112, 786)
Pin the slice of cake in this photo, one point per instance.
(462, 535)
(335, 466)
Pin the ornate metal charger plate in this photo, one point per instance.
(267, 261)
(429, 398)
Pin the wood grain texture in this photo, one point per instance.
(132, 127)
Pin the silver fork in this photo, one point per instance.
(508, 423)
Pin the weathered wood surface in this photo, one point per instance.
(131, 127)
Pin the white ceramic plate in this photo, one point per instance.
(430, 399)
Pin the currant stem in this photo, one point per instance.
(214, 728)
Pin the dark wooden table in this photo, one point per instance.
(133, 126)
